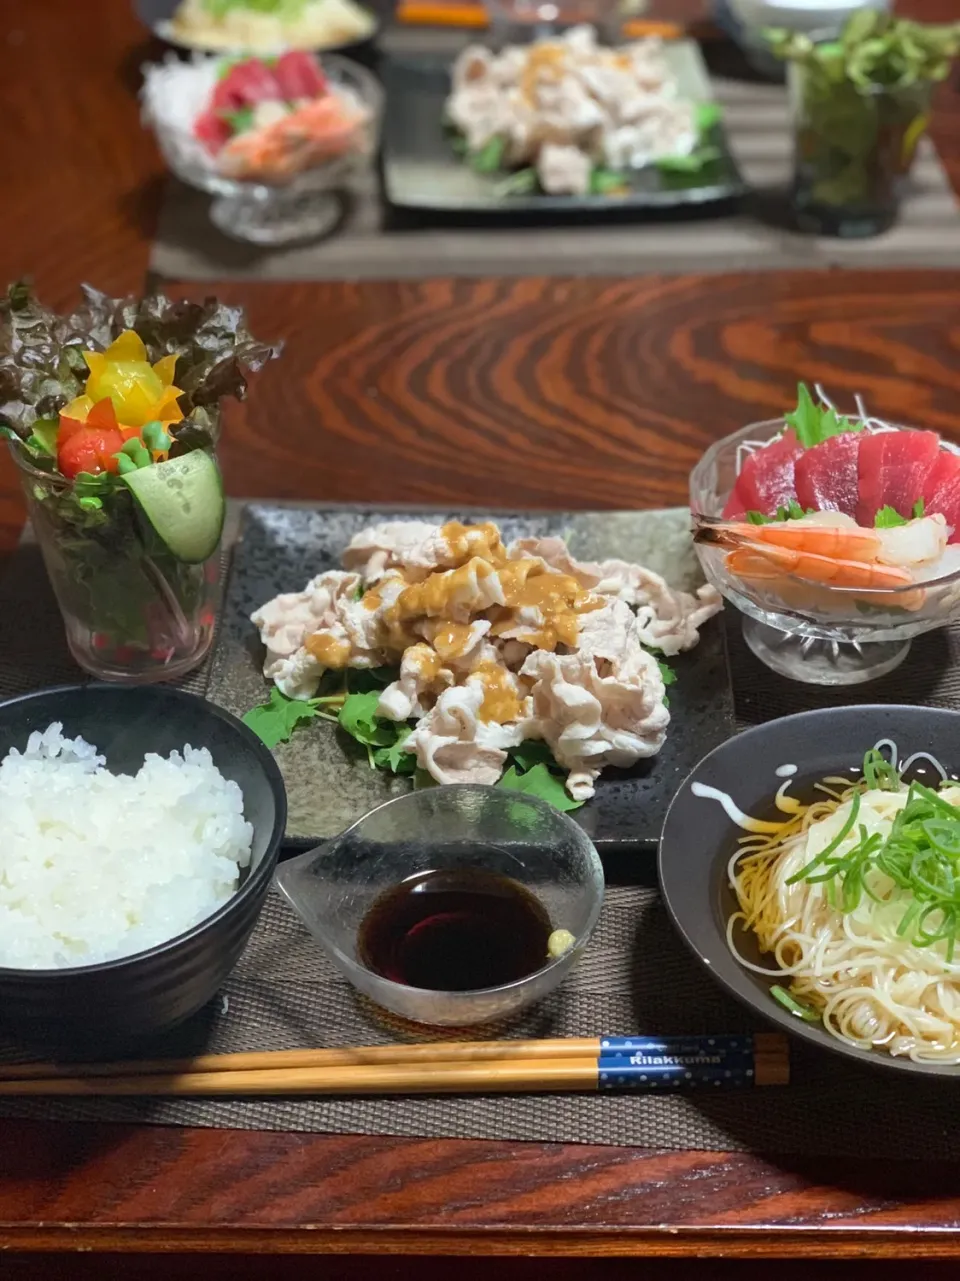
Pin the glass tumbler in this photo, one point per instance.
(132, 611)
(458, 826)
(852, 147)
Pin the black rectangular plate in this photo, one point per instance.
(422, 172)
(329, 781)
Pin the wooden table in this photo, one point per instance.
(591, 393)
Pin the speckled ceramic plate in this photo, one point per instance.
(329, 782)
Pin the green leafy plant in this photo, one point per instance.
(874, 48)
(864, 103)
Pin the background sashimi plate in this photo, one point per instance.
(328, 778)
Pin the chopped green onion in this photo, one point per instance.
(828, 850)
(802, 1011)
(879, 773)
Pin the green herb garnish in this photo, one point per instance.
(691, 163)
(539, 781)
(240, 121)
(530, 753)
(607, 182)
(799, 1008)
(813, 423)
(920, 855)
(489, 158)
(888, 518)
(793, 511)
(521, 183)
(879, 774)
(394, 757)
(276, 720)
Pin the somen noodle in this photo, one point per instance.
(855, 899)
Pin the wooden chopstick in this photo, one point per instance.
(587, 1063)
(347, 1056)
(419, 13)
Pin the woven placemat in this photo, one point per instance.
(189, 247)
(635, 977)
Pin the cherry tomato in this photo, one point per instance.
(88, 449)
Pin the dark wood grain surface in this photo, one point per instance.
(530, 392)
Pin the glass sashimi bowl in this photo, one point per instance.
(808, 631)
(307, 207)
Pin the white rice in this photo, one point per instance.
(95, 865)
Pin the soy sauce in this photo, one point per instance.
(455, 930)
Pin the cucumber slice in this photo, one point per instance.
(182, 499)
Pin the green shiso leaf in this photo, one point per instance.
(358, 718)
(814, 423)
(540, 782)
(275, 720)
(888, 518)
(489, 158)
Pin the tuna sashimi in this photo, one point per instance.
(827, 477)
(212, 130)
(298, 75)
(766, 480)
(941, 491)
(893, 467)
(244, 85)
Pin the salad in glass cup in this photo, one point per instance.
(112, 414)
(837, 537)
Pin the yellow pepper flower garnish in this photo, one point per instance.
(141, 393)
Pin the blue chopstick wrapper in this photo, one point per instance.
(665, 1063)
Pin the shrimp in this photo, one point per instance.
(277, 152)
(835, 542)
(918, 542)
(813, 568)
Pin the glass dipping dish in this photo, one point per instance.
(333, 887)
(813, 632)
(311, 204)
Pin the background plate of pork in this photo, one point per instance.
(327, 775)
(421, 170)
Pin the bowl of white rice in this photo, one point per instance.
(139, 830)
